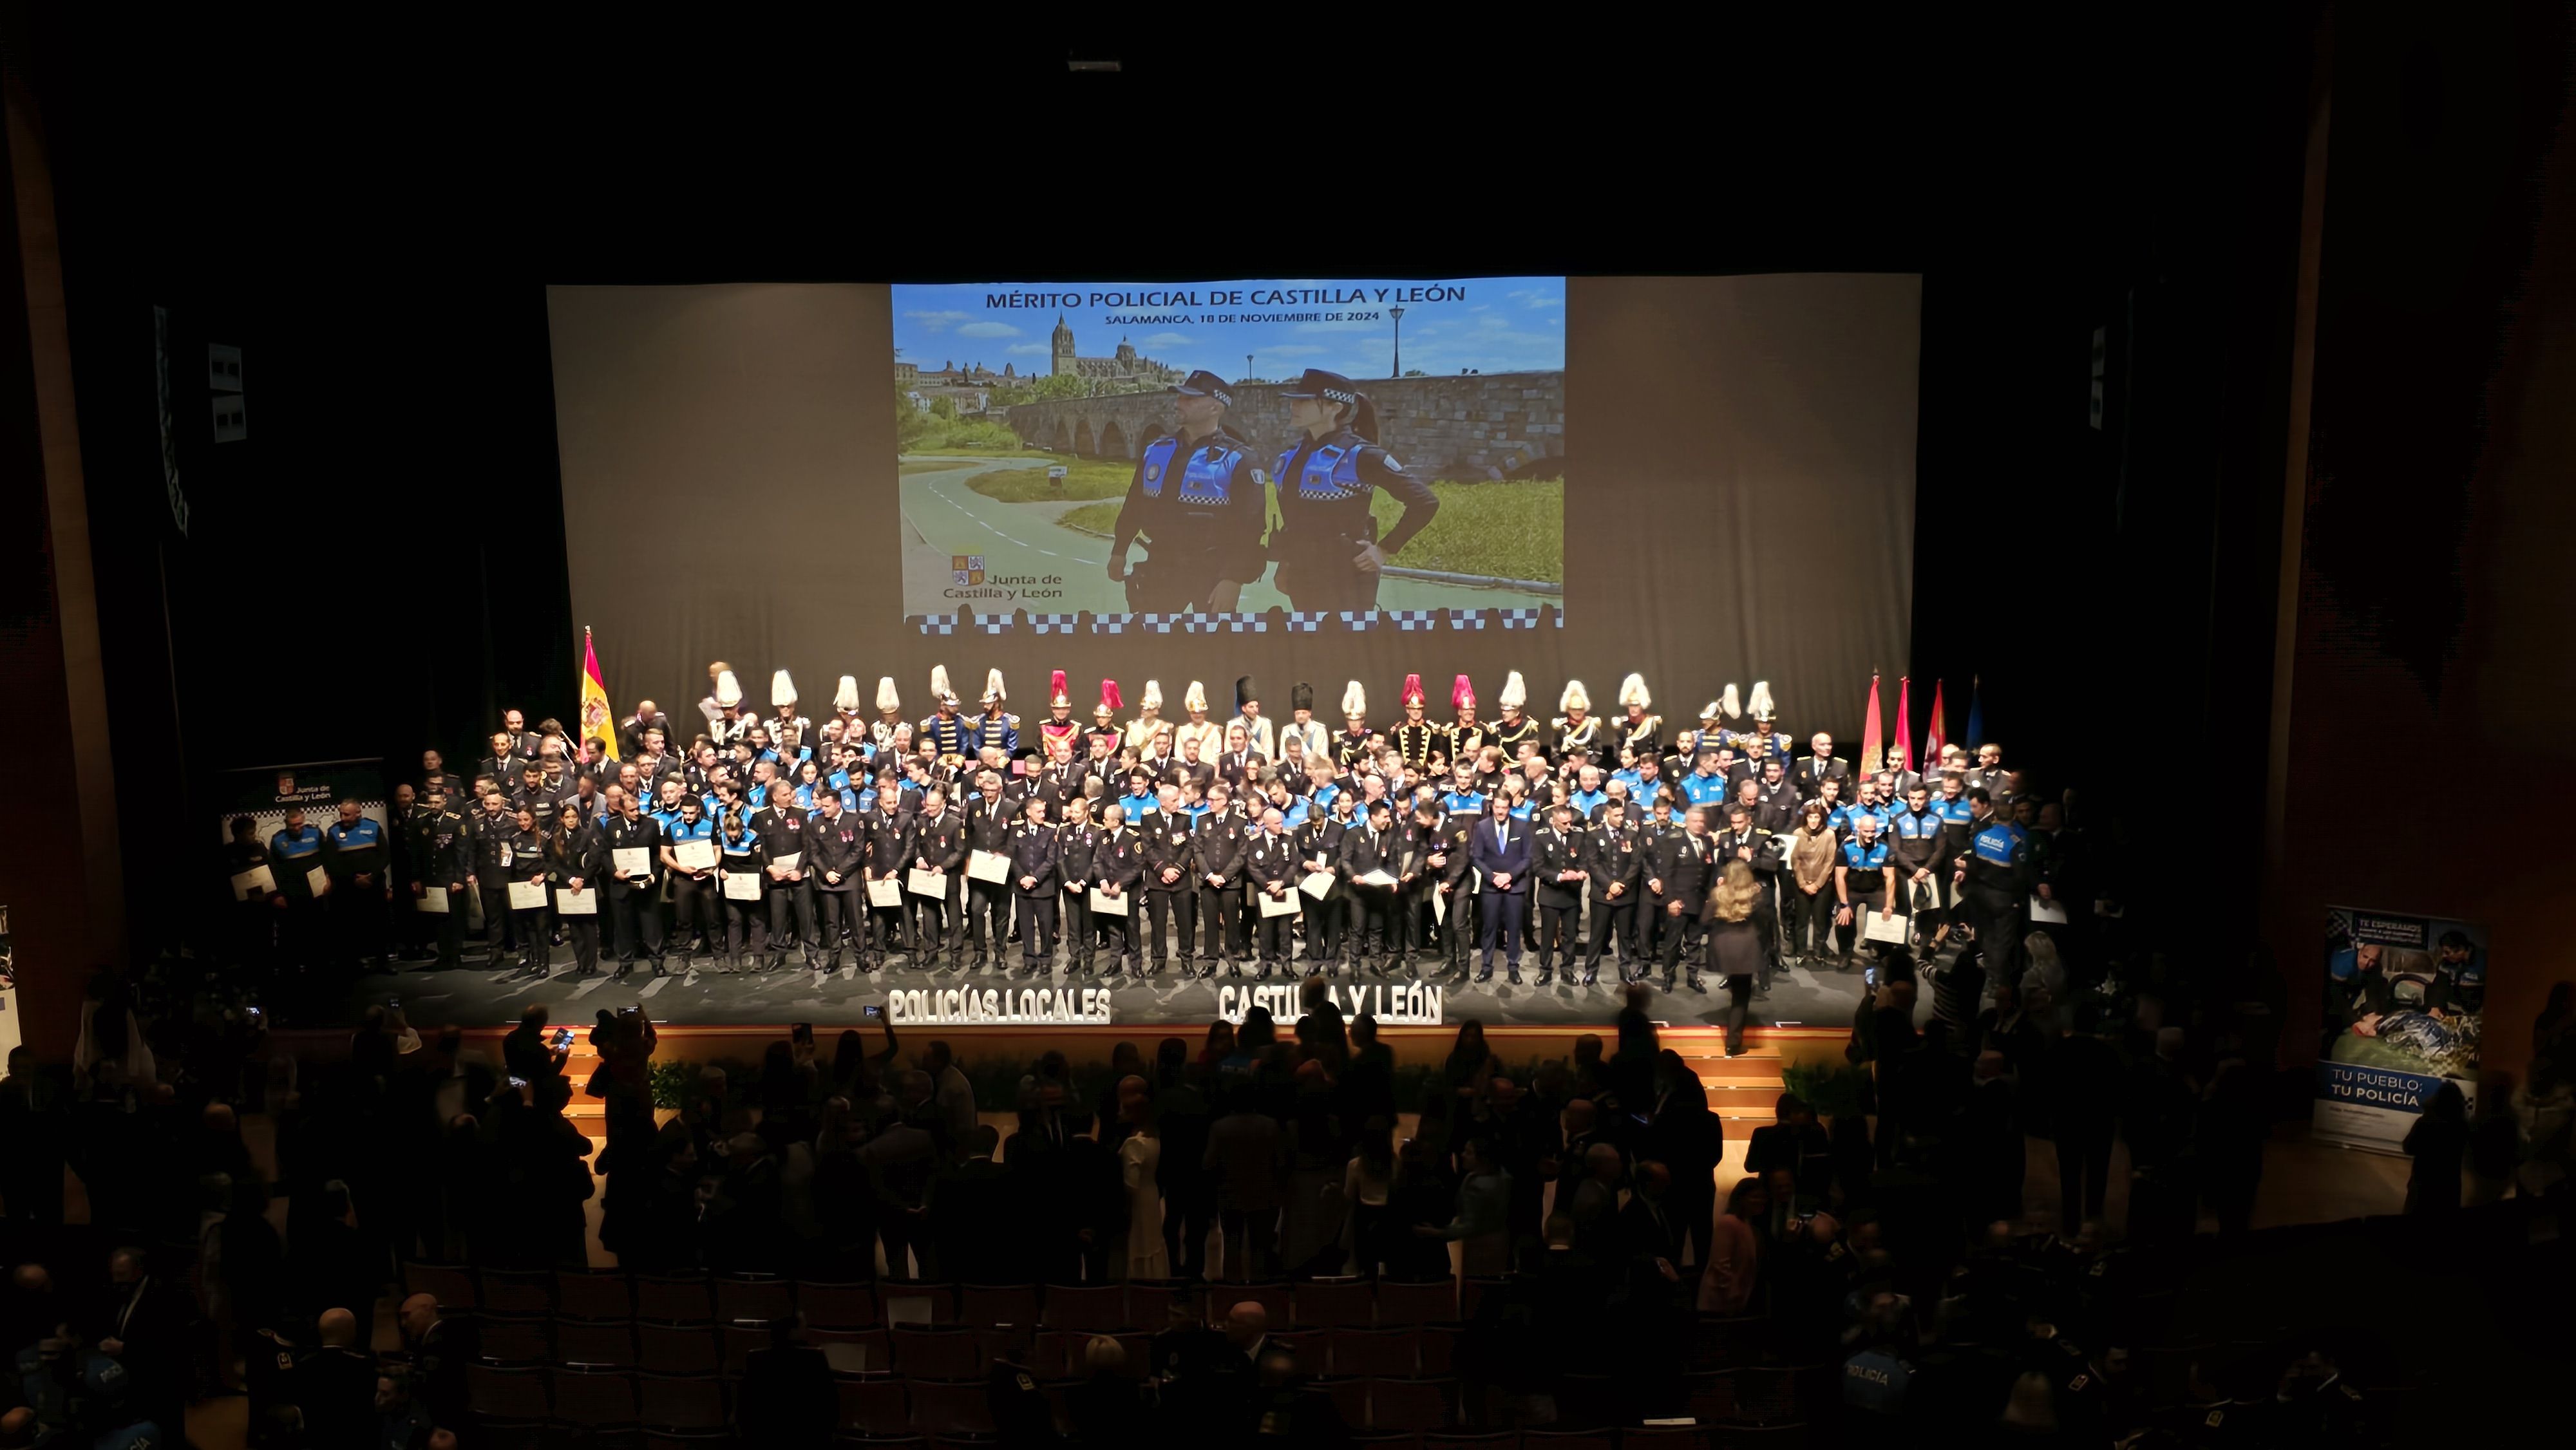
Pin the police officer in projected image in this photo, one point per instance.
(1199, 500)
(1329, 550)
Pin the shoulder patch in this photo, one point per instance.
(1393, 464)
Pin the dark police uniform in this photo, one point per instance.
(581, 858)
(1270, 857)
(836, 845)
(1035, 857)
(988, 828)
(1218, 844)
(635, 903)
(1076, 850)
(939, 844)
(1319, 848)
(888, 854)
(1365, 848)
(522, 857)
(791, 903)
(1681, 861)
(1614, 856)
(484, 832)
(1166, 845)
(1199, 503)
(442, 856)
(1558, 902)
(1325, 486)
(1416, 884)
(1117, 859)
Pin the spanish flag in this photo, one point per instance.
(598, 721)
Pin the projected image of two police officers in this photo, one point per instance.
(1198, 499)
(1328, 546)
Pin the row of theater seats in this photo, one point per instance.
(1647, 1437)
(1342, 1303)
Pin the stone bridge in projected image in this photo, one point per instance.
(1485, 426)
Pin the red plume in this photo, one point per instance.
(1412, 690)
(1461, 694)
(1055, 687)
(1109, 695)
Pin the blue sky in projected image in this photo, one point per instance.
(1505, 324)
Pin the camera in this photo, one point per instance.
(872, 1012)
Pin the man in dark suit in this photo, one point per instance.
(1814, 770)
(1797, 1143)
(973, 1210)
(1500, 849)
(143, 1325)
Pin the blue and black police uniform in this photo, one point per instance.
(1864, 885)
(1998, 877)
(1200, 504)
(695, 914)
(292, 857)
(1325, 487)
(358, 922)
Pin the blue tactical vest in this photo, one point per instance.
(1205, 478)
(742, 849)
(1912, 827)
(1330, 474)
(303, 843)
(1871, 859)
(1996, 844)
(357, 836)
(679, 830)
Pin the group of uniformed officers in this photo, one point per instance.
(1251, 843)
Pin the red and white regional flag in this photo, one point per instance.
(1871, 759)
(1934, 736)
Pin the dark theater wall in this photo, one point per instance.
(2429, 699)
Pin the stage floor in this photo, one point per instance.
(478, 996)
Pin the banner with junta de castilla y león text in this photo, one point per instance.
(2405, 998)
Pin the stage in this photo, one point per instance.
(477, 996)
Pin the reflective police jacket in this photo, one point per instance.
(1184, 493)
(357, 848)
(292, 854)
(1998, 860)
(1921, 841)
(1324, 493)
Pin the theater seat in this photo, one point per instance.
(950, 1406)
(872, 1404)
(1333, 1304)
(753, 1296)
(1401, 1301)
(594, 1397)
(519, 1291)
(593, 1294)
(1085, 1308)
(680, 1402)
(676, 1348)
(599, 1344)
(452, 1285)
(997, 1304)
(921, 1352)
(1412, 1404)
(506, 1392)
(837, 1306)
(674, 1298)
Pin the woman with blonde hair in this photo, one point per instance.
(1735, 944)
